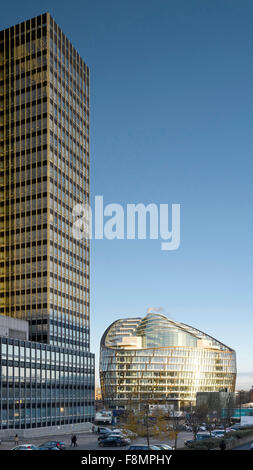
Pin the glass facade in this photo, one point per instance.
(43, 385)
(44, 173)
(159, 359)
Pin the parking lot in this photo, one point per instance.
(89, 441)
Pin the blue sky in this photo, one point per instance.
(171, 122)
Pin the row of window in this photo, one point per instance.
(38, 413)
(68, 103)
(40, 353)
(60, 59)
(30, 96)
(26, 110)
(68, 181)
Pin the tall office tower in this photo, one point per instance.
(44, 173)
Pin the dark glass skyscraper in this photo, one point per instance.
(44, 173)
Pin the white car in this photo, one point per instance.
(115, 434)
(25, 447)
(218, 432)
(129, 434)
(231, 429)
(164, 447)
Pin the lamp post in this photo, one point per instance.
(147, 422)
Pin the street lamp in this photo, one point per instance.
(147, 422)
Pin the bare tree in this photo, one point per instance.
(228, 411)
(196, 418)
(174, 420)
(140, 421)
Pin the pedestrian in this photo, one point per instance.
(74, 440)
(71, 440)
(223, 445)
(16, 440)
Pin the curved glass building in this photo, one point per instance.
(160, 360)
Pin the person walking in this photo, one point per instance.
(223, 445)
(16, 440)
(74, 440)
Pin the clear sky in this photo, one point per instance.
(171, 122)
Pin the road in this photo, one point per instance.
(89, 441)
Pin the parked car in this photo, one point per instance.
(234, 427)
(103, 430)
(104, 434)
(189, 442)
(42, 447)
(187, 428)
(202, 436)
(143, 447)
(116, 434)
(113, 433)
(164, 447)
(26, 447)
(251, 446)
(129, 434)
(49, 444)
(110, 434)
(218, 432)
(114, 442)
(116, 430)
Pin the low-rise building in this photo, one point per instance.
(39, 384)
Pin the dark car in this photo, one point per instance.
(111, 434)
(42, 447)
(189, 442)
(50, 445)
(104, 436)
(114, 442)
(202, 437)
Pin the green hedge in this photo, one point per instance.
(240, 434)
(208, 444)
(205, 444)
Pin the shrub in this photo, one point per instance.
(240, 434)
(205, 444)
(208, 444)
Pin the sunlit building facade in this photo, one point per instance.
(156, 359)
(44, 173)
